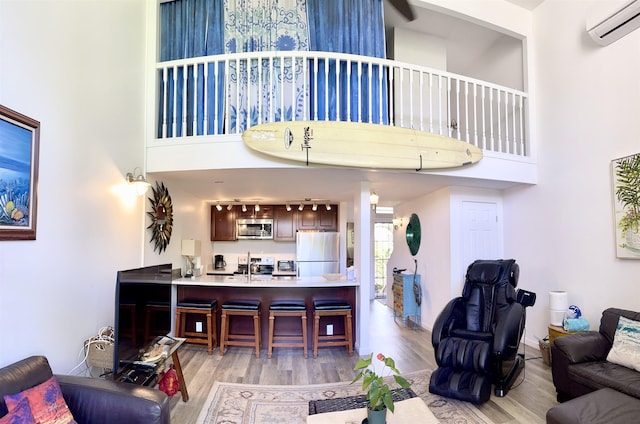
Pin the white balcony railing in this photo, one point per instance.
(225, 94)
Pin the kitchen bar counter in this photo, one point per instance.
(262, 281)
(267, 289)
(221, 271)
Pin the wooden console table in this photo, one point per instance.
(176, 364)
(149, 378)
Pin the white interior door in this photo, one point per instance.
(480, 234)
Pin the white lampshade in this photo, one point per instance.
(191, 247)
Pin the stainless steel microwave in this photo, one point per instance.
(254, 228)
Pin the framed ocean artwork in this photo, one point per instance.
(19, 148)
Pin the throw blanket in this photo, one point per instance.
(576, 324)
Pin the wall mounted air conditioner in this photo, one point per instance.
(611, 20)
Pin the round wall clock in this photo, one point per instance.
(413, 234)
(161, 217)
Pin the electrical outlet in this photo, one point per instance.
(198, 326)
(329, 330)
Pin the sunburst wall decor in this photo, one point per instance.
(161, 217)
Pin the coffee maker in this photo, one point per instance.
(218, 262)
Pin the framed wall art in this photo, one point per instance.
(161, 216)
(626, 192)
(19, 147)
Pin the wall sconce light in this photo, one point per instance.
(373, 199)
(138, 181)
(397, 223)
(218, 207)
(190, 249)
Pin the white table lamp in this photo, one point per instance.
(190, 249)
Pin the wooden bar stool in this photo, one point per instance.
(232, 308)
(287, 309)
(207, 308)
(325, 308)
(157, 320)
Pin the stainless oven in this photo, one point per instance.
(254, 228)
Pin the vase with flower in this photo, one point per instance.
(378, 393)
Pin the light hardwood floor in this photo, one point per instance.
(410, 348)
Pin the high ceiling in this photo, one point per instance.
(322, 183)
(465, 43)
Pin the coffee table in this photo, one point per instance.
(412, 410)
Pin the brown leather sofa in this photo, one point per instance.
(91, 401)
(579, 365)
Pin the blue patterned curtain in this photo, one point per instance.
(356, 27)
(265, 25)
(192, 28)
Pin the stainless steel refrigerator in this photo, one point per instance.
(317, 253)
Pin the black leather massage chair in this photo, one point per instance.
(477, 335)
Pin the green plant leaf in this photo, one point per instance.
(388, 401)
(363, 363)
(391, 364)
(401, 381)
(357, 377)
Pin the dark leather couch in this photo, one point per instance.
(579, 365)
(91, 401)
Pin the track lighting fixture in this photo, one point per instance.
(254, 205)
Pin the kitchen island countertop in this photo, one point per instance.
(262, 281)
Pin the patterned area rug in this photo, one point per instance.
(231, 403)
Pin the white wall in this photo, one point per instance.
(413, 47)
(190, 221)
(433, 256)
(58, 67)
(561, 230)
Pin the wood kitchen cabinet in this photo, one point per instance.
(266, 211)
(223, 224)
(319, 220)
(328, 220)
(284, 223)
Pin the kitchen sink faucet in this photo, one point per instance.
(249, 266)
